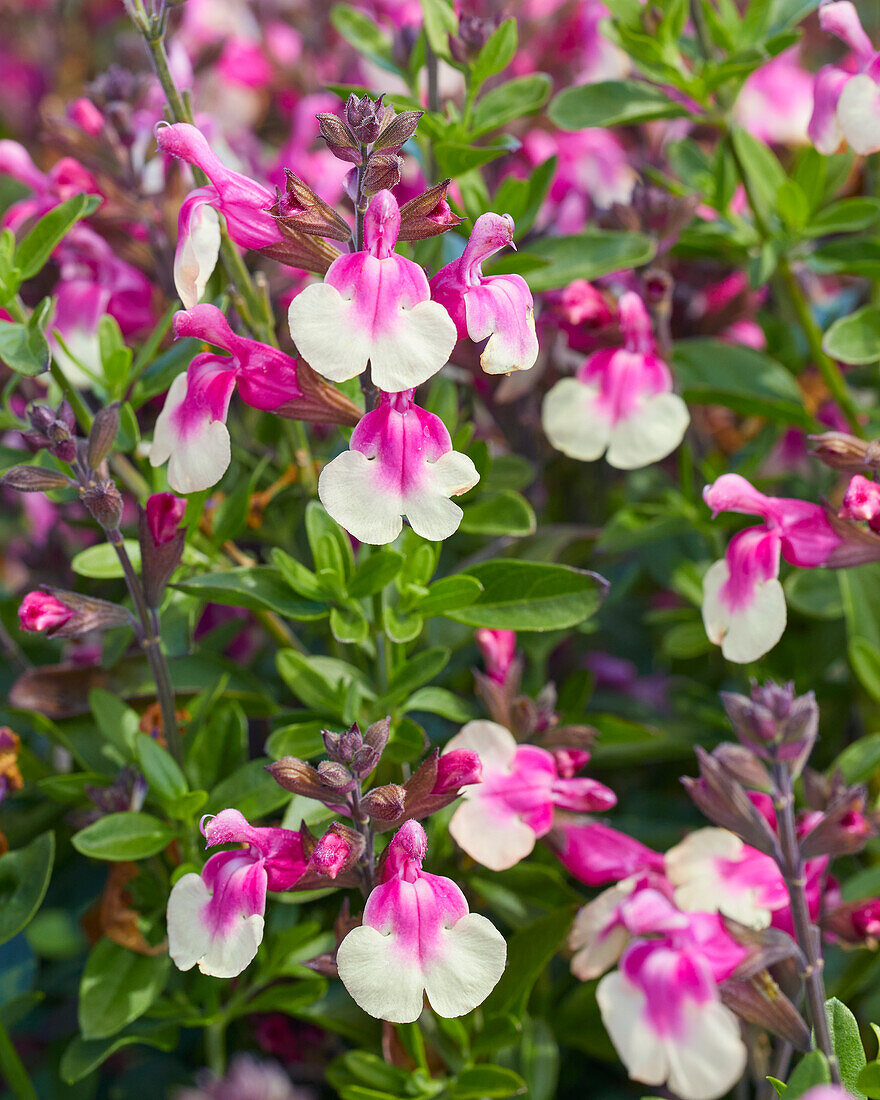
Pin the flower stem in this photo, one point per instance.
(215, 1047)
(13, 1069)
(806, 933)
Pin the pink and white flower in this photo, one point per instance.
(191, 433)
(743, 602)
(373, 306)
(500, 819)
(400, 462)
(846, 104)
(215, 919)
(713, 871)
(496, 308)
(417, 928)
(620, 402)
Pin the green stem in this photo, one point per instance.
(13, 1069)
(303, 456)
(215, 1047)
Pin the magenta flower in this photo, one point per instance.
(861, 501)
(500, 819)
(373, 306)
(400, 462)
(456, 769)
(215, 919)
(41, 612)
(164, 512)
(597, 854)
(417, 927)
(743, 602)
(846, 104)
(620, 402)
(495, 308)
(498, 648)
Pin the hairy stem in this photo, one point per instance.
(806, 933)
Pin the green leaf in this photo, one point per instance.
(504, 513)
(846, 216)
(847, 1044)
(554, 262)
(330, 545)
(511, 101)
(484, 1081)
(251, 789)
(116, 720)
(436, 700)
(811, 1070)
(160, 769)
(23, 348)
(219, 747)
(259, 588)
(401, 626)
(611, 103)
(123, 836)
(361, 32)
(34, 251)
(300, 739)
(869, 1081)
(815, 593)
(440, 21)
(115, 356)
(374, 572)
(24, 879)
(82, 1056)
(529, 952)
(348, 624)
(300, 578)
(860, 590)
(316, 682)
(531, 595)
(117, 987)
(859, 761)
(763, 171)
(714, 373)
(454, 158)
(496, 54)
(848, 256)
(856, 338)
(448, 594)
(418, 670)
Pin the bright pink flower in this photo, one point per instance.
(400, 463)
(580, 303)
(861, 501)
(373, 306)
(455, 769)
(417, 927)
(84, 114)
(597, 854)
(846, 103)
(216, 919)
(620, 402)
(495, 308)
(40, 611)
(776, 101)
(499, 821)
(331, 854)
(570, 761)
(866, 919)
(743, 602)
(164, 512)
(498, 648)
(245, 63)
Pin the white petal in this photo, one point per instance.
(228, 955)
(347, 489)
(473, 959)
(595, 950)
(858, 113)
(420, 344)
(195, 461)
(325, 335)
(641, 1050)
(499, 357)
(651, 434)
(712, 1057)
(495, 745)
(430, 511)
(197, 255)
(497, 841)
(700, 886)
(188, 938)
(572, 423)
(372, 971)
(748, 634)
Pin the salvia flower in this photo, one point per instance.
(417, 928)
(373, 306)
(495, 308)
(597, 854)
(620, 403)
(41, 612)
(400, 462)
(861, 501)
(845, 103)
(500, 818)
(215, 919)
(743, 602)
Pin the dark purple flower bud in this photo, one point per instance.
(473, 34)
(349, 743)
(383, 173)
(104, 502)
(34, 479)
(775, 723)
(300, 208)
(340, 140)
(743, 765)
(164, 511)
(364, 761)
(54, 430)
(367, 117)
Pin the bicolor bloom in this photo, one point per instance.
(743, 602)
(664, 1015)
(620, 402)
(496, 308)
(191, 433)
(373, 306)
(215, 919)
(713, 871)
(400, 462)
(500, 819)
(597, 854)
(846, 104)
(417, 930)
(41, 611)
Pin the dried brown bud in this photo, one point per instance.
(335, 775)
(340, 140)
(427, 214)
(398, 131)
(383, 173)
(34, 479)
(385, 803)
(297, 776)
(104, 502)
(846, 452)
(102, 436)
(301, 209)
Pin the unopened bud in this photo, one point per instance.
(456, 769)
(385, 803)
(335, 775)
(845, 452)
(41, 613)
(300, 208)
(743, 765)
(297, 776)
(367, 117)
(60, 614)
(104, 502)
(844, 828)
(337, 850)
(383, 173)
(775, 723)
(861, 501)
(364, 761)
(427, 215)
(570, 761)
(34, 479)
(52, 429)
(473, 34)
(855, 922)
(102, 435)
(377, 735)
(760, 1001)
(340, 140)
(162, 543)
(163, 512)
(725, 803)
(398, 131)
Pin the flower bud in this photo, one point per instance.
(162, 543)
(775, 723)
(84, 114)
(846, 452)
(367, 117)
(102, 435)
(297, 776)
(34, 479)
(41, 612)
(498, 649)
(364, 761)
(377, 735)
(164, 511)
(340, 140)
(570, 761)
(455, 769)
(337, 850)
(300, 208)
(104, 502)
(760, 1001)
(473, 34)
(53, 430)
(385, 803)
(335, 775)
(383, 173)
(743, 765)
(398, 131)
(61, 614)
(844, 828)
(861, 501)
(855, 922)
(427, 214)
(725, 803)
